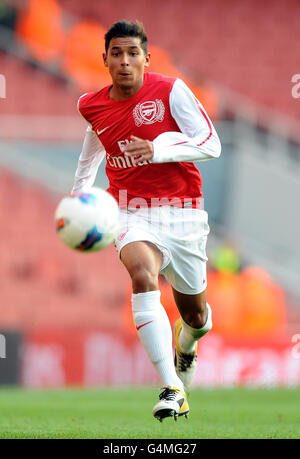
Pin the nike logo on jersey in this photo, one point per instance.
(102, 130)
(140, 326)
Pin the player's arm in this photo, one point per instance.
(197, 141)
(89, 161)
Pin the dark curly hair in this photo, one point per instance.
(127, 29)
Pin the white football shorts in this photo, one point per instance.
(179, 233)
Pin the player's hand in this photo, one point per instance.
(141, 149)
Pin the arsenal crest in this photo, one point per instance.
(149, 112)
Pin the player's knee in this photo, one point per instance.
(198, 317)
(197, 321)
(144, 280)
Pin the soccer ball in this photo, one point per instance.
(87, 221)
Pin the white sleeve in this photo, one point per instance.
(197, 141)
(89, 161)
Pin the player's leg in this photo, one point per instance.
(194, 323)
(143, 261)
(186, 272)
(195, 313)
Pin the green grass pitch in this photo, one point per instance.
(126, 413)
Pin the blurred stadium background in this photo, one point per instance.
(65, 316)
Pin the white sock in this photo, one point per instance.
(155, 333)
(189, 336)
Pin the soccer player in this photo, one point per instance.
(151, 129)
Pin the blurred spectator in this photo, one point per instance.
(40, 28)
(8, 14)
(225, 258)
(161, 62)
(207, 94)
(223, 295)
(262, 303)
(83, 56)
(247, 304)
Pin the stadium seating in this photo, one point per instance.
(250, 47)
(40, 26)
(42, 282)
(32, 91)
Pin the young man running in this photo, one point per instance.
(151, 129)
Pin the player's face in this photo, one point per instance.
(126, 62)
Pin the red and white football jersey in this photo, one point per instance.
(164, 111)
